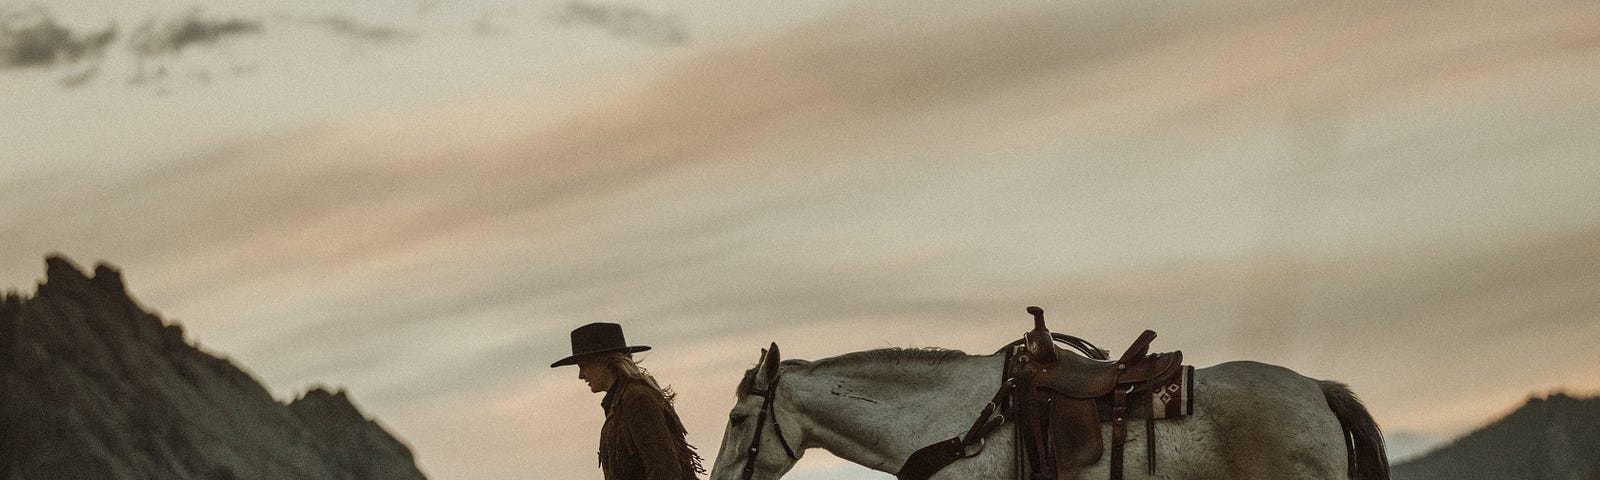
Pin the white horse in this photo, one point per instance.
(1251, 421)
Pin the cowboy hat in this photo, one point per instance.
(595, 339)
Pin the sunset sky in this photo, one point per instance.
(416, 201)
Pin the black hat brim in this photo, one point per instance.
(581, 357)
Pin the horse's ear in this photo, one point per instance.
(769, 362)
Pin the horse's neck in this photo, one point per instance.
(878, 416)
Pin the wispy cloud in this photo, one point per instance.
(81, 78)
(172, 36)
(31, 37)
(625, 21)
(352, 28)
(159, 43)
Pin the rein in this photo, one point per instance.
(929, 460)
(767, 395)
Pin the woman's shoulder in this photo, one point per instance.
(637, 394)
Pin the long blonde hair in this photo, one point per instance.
(624, 365)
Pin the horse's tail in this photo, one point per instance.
(1363, 441)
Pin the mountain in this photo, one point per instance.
(1552, 438)
(94, 387)
(1402, 446)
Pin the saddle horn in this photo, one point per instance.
(1041, 345)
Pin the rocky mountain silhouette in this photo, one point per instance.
(1552, 438)
(92, 386)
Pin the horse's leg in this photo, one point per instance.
(1251, 421)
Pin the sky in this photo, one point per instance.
(416, 201)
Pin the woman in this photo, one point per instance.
(642, 438)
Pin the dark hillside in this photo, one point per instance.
(94, 387)
(1552, 438)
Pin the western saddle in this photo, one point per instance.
(1057, 400)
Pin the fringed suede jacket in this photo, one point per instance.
(643, 439)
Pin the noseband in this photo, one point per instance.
(767, 396)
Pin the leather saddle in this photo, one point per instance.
(1057, 399)
(1062, 397)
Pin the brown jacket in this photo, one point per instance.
(642, 438)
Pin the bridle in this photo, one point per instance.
(767, 396)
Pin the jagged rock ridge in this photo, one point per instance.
(1552, 438)
(94, 387)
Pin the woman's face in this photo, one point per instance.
(599, 376)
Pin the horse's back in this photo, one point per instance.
(1251, 421)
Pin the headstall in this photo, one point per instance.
(767, 395)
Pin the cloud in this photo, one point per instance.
(31, 38)
(79, 79)
(174, 35)
(350, 27)
(625, 21)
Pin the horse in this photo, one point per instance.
(1250, 420)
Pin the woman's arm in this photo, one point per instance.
(652, 438)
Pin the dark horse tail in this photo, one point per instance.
(1362, 439)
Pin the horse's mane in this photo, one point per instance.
(931, 355)
(892, 355)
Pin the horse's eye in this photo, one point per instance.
(736, 419)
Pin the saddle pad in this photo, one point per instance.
(1173, 398)
(1176, 398)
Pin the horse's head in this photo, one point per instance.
(756, 445)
